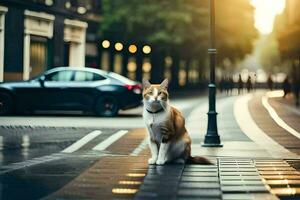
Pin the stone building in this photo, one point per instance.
(36, 35)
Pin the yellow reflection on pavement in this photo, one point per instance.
(285, 191)
(124, 191)
(136, 174)
(130, 182)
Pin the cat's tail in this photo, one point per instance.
(198, 160)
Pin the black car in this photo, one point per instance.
(71, 88)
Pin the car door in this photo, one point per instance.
(55, 94)
(84, 88)
(27, 94)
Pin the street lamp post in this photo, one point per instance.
(212, 139)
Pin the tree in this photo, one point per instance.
(177, 28)
(288, 34)
(156, 22)
(235, 29)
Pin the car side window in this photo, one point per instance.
(87, 76)
(60, 76)
(98, 77)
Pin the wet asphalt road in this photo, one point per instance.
(31, 163)
(34, 170)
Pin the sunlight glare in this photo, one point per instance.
(265, 13)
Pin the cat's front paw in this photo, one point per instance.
(152, 161)
(160, 162)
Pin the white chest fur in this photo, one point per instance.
(154, 121)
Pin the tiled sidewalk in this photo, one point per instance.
(117, 177)
(230, 179)
(123, 177)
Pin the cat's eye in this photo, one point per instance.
(159, 93)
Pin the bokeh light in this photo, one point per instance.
(132, 48)
(105, 44)
(147, 49)
(119, 46)
(147, 66)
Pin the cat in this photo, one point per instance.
(168, 138)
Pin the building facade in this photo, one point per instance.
(36, 35)
(289, 31)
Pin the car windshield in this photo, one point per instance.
(120, 78)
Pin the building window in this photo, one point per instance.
(38, 28)
(44, 2)
(38, 55)
(74, 37)
(81, 7)
(91, 55)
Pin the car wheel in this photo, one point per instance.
(6, 104)
(107, 106)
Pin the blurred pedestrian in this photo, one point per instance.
(226, 85)
(286, 86)
(231, 84)
(240, 84)
(255, 82)
(249, 84)
(297, 91)
(270, 82)
(221, 84)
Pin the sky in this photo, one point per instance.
(265, 13)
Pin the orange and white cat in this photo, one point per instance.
(168, 138)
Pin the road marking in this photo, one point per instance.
(40, 160)
(77, 145)
(250, 128)
(104, 144)
(29, 163)
(140, 148)
(274, 114)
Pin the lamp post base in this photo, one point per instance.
(212, 140)
(212, 145)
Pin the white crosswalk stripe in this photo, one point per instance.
(86, 139)
(106, 143)
(67, 151)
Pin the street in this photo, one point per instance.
(42, 154)
(32, 147)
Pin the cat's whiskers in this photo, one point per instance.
(163, 106)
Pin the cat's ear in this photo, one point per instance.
(164, 84)
(146, 83)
